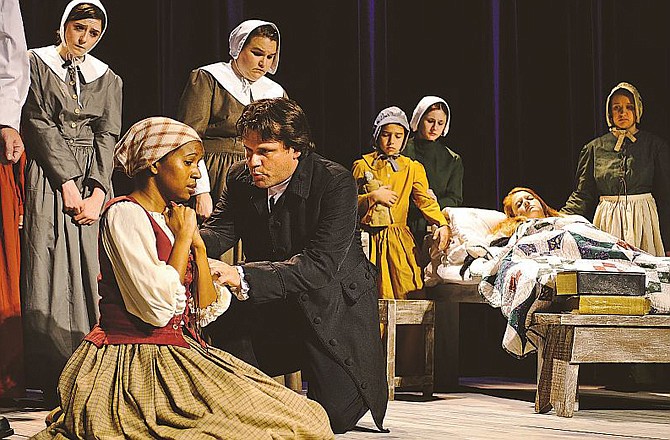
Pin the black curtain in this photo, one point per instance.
(559, 60)
(526, 80)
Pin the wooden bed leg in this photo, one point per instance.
(294, 381)
(429, 351)
(390, 334)
(567, 385)
(542, 403)
(557, 377)
(452, 344)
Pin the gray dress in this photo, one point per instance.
(59, 268)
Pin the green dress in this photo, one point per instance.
(444, 169)
(600, 170)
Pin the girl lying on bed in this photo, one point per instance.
(518, 275)
(476, 232)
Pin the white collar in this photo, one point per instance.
(277, 190)
(91, 68)
(239, 88)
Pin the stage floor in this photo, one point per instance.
(487, 408)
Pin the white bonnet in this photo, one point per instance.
(636, 96)
(421, 108)
(71, 6)
(239, 36)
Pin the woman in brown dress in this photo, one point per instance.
(216, 94)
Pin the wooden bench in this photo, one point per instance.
(412, 311)
(570, 340)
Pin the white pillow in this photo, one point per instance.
(470, 227)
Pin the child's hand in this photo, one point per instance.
(71, 198)
(442, 236)
(384, 195)
(90, 208)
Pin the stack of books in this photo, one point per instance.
(602, 292)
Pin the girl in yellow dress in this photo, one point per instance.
(392, 247)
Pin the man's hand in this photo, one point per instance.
(225, 274)
(442, 236)
(384, 195)
(11, 145)
(203, 205)
(72, 202)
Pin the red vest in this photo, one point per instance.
(117, 325)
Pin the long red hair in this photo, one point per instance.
(509, 225)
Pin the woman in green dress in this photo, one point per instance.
(623, 175)
(430, 124)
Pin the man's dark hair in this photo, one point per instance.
(279, 120)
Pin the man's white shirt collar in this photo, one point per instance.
(277, 190)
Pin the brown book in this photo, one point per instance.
(608, 305)
(596, 282)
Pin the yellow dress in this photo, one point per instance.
(392, 248)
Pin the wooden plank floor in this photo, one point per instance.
(488, 409)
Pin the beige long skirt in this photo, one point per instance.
(633, 218)
(143, 391)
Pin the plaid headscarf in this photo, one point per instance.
(148, 141)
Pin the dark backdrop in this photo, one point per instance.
(526, 80)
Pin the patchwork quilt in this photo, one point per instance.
(519, 278)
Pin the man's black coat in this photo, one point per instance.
(308, 252)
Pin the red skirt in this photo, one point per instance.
(11, 331)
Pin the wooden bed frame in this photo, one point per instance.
(448, 298)
(571, 340)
